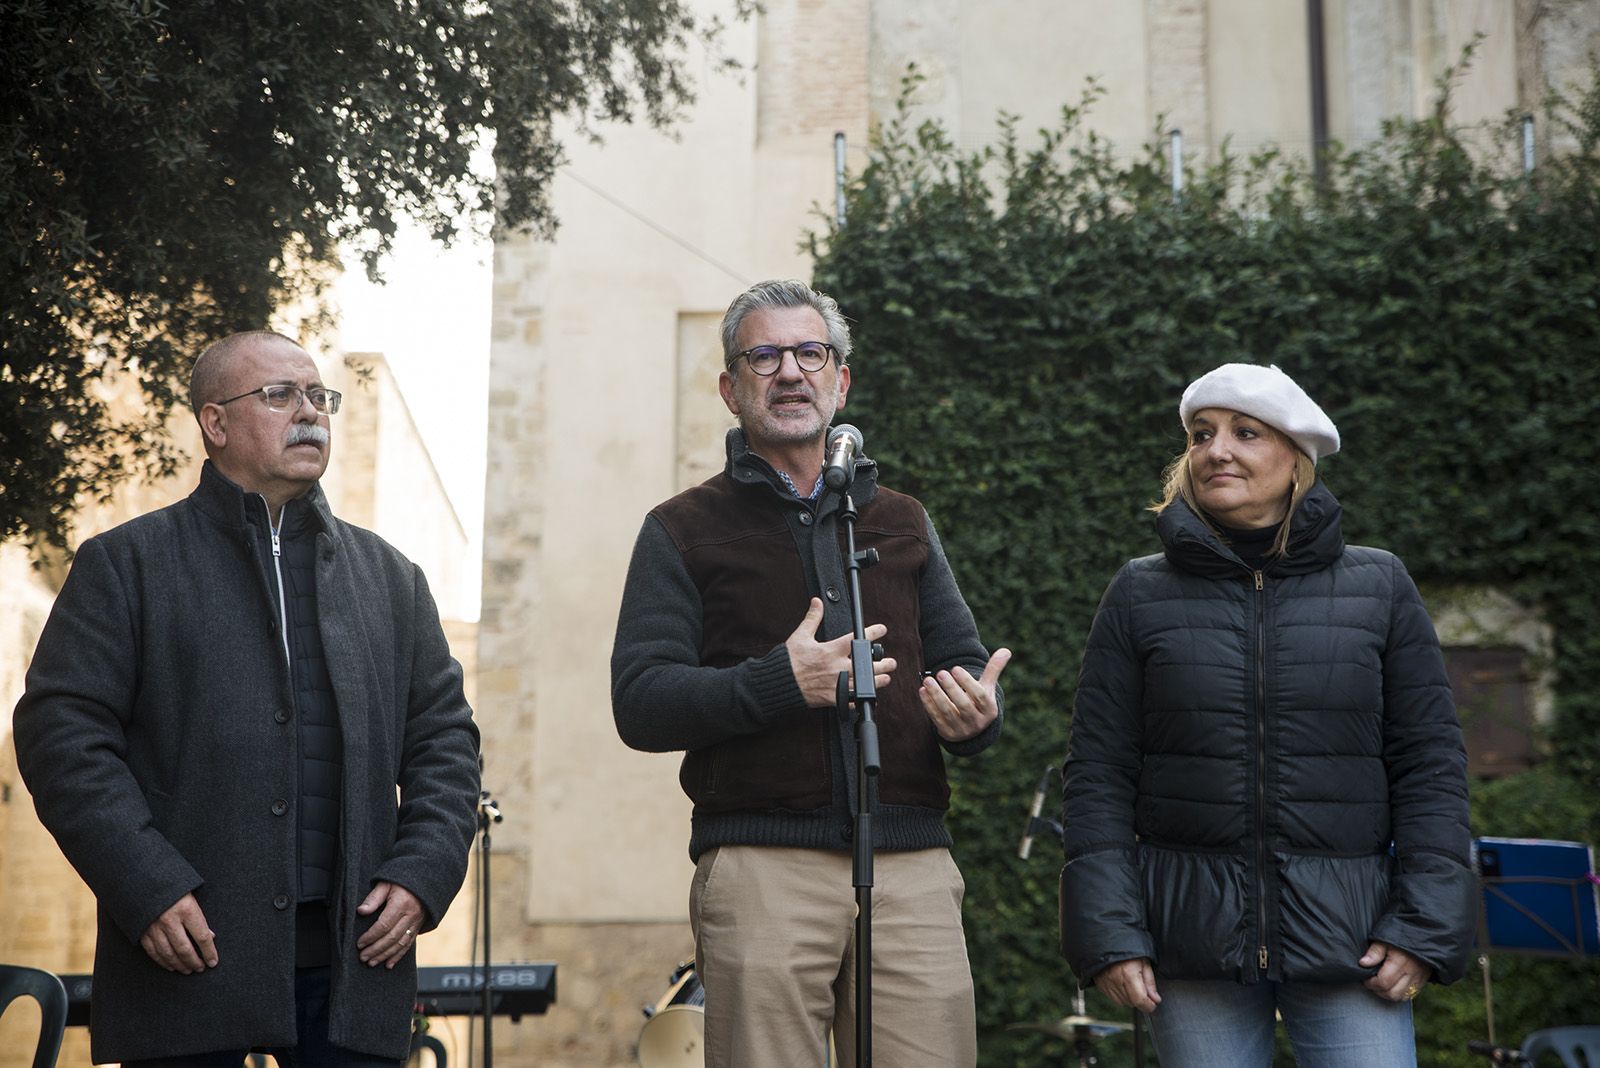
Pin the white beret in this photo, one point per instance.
(1269, 395)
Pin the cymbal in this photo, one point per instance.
(1072, 1027)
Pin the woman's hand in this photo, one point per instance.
(1131, 984)
(1400, 975)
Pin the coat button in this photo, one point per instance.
(280, 902)
(279, 807)
(847, 832)
(280, 716)
(805, 519)
(832, 593)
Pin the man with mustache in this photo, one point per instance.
(733, 631)
(220, 710)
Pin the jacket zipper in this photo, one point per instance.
(1261, 772)
(288, 663)
(277, 570)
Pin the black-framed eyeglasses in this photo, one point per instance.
(282, 398)
(765, 359)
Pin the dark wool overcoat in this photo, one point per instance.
(1266, 772)
(158, 738)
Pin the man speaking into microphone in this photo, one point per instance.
(733, 631)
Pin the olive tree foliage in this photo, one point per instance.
(176, 171)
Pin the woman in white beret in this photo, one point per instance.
(1265, 795)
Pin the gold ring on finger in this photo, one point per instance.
(1411, 992)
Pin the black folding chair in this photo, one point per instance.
(46, 989)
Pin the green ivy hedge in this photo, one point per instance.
(1026, 319)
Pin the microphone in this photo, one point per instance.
(844, 445)
(1033, 814)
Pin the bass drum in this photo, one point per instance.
(674, 1034)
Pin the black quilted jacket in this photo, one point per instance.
(1266, 771)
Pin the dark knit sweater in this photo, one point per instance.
(721, 574)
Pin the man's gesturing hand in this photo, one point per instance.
(394, 932)
(180, 940)
(817, 664)
(960, 705)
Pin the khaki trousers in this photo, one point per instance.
(774, 937)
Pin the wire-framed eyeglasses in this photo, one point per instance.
(765, 359)
(285, 398)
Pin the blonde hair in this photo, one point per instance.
(1176, 482)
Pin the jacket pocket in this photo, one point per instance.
(1326, 910)
(1196, 907)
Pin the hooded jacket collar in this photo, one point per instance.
(747, 467)
(1315, 539)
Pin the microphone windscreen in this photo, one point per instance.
(845, 430)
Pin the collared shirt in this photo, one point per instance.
(816, 490)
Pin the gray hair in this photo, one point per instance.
(789, 293)
(209, 375)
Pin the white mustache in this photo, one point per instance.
(301, 433)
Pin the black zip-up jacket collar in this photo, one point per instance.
(234, 508)
(1315, 539)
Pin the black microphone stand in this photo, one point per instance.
(488, 815)
(864, 693)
